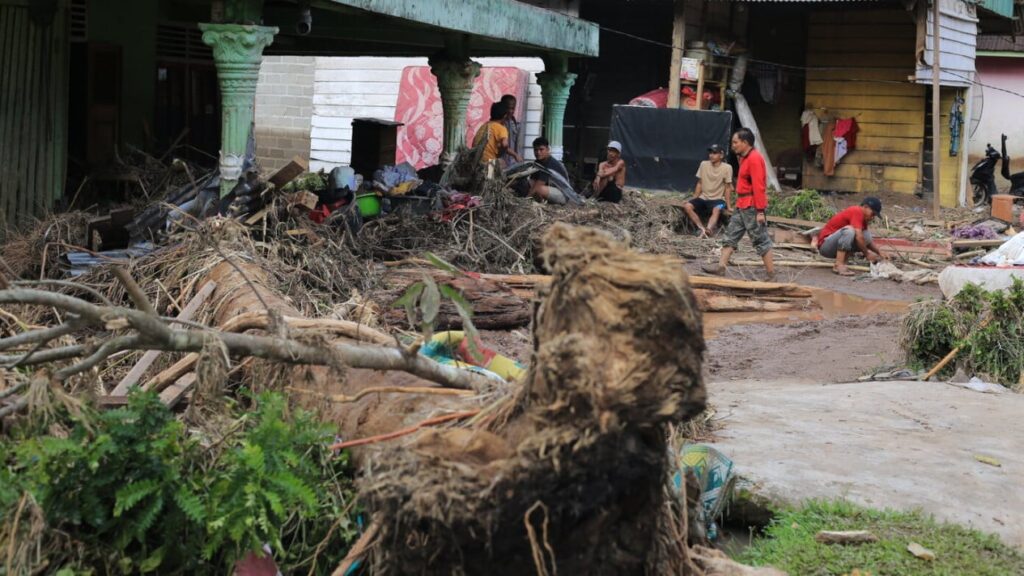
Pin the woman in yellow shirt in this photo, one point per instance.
(496, 135)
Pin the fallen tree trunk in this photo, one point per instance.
(503, 301)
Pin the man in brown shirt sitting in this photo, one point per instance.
(713, 192)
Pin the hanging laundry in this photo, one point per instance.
(828, 150)
(810, 129)
(767, 81)
(956, 123)
(845, 135)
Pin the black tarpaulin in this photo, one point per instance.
(663, 147)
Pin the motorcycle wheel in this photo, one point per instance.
(979, 195)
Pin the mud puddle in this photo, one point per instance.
(832, 305)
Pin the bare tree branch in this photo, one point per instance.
(43, 335)
(154, 334)
(134, 290)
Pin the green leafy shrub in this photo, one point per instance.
(987, 326)
(142, 494)
(805, 205)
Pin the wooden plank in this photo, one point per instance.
(904, 62)
(355, 99)
(175, 392)
(879, 144)
(840, 74)
(829, 44)
(878, 173)
(910, 104)
(873, 16)
(140, 368)
(289, 172)
(819, 181)
(848, 88)
(863, 157)
(795, 222)
(967, 244)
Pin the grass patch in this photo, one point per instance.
(788, 544)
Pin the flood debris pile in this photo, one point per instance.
(978, 332)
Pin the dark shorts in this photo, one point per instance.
(611, 193)
(744, 221)
(704, 207)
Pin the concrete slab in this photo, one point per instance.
(900, 445)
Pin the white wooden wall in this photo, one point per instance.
(958, 28)
(367, 87)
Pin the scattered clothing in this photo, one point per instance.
(744, 221)
(491, 135)
(714, 472)
(714, 180)
(852, 217)
(453, 349)
(844, 239)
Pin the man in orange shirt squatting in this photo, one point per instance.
(751, 202)
(847, 232)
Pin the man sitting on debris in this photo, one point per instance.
(611, 176)
(751, 203)
(540, 182)
(493, 135)
(511, 155)
(713, 193)
(847, 232)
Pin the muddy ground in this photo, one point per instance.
(837, 348)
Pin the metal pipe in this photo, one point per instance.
(305, 23)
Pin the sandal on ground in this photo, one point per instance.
(843, 272)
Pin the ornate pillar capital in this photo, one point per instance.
(554, 88)
(237, 53)
(455, 83)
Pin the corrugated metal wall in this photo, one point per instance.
(33, 107)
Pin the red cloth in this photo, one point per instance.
(751, 188)
(847, 128)
(852, 216)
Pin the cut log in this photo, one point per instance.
(503, 301)
(712, 301)
(495, 304)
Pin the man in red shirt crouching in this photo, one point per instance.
(847, 232)
(751, 202)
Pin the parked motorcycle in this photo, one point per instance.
(1016, 180)
(983, 175)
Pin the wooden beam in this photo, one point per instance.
(795, 222)
(289, 172)
(140, 368)
(962, 244)
(175, 392)
(678, 45)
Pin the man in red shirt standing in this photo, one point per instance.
(751, 202)
(847, 232)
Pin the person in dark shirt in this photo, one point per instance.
(540, 182)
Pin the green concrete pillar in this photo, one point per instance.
(555, 83)
(455, 82)
(237, 52)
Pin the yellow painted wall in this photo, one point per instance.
(869, 54)
(949, 168)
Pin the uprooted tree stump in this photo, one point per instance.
(571, 475)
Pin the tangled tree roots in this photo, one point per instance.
(574, 481)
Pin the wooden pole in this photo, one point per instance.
(936, 111)
(700, 86)
(678, 37)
